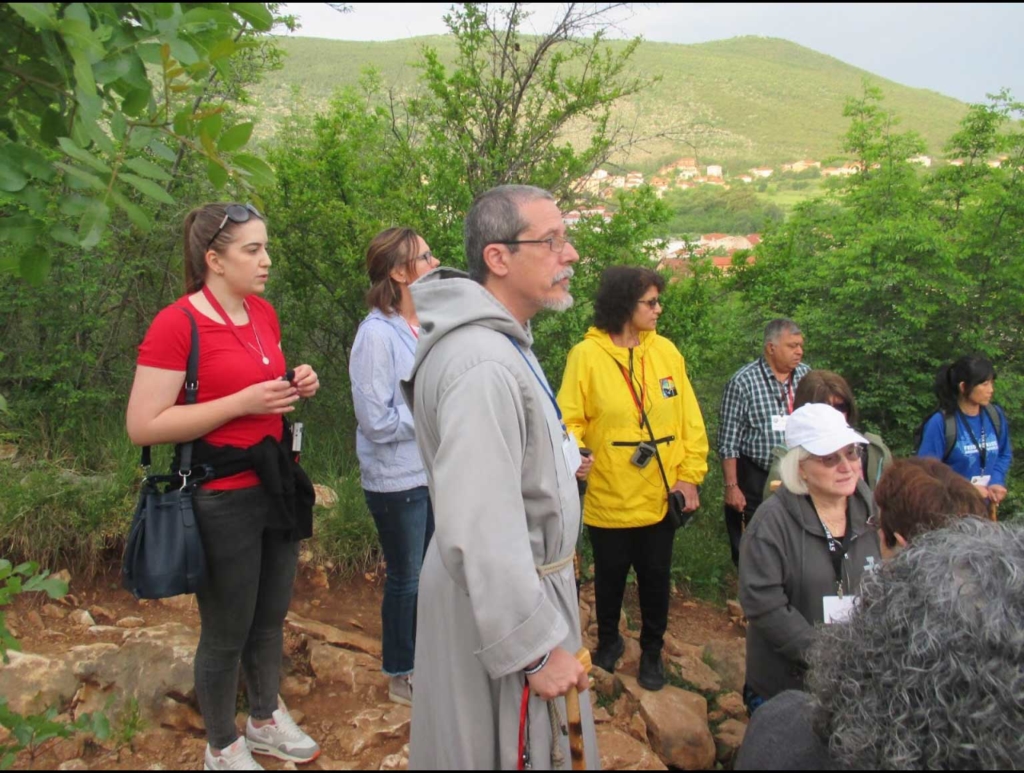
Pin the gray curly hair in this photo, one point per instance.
(929, 672)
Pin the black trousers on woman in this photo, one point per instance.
(648, 550)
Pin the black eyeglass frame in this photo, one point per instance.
(651, 303)
(550, 242)
(236, 213)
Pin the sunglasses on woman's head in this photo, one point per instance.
(236, 213)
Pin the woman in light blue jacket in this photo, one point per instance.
(393, 478)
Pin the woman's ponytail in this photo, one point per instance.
(195, 265)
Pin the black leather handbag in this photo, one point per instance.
(164, 553)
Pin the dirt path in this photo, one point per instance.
(351, 604)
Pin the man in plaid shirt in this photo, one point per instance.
(755, 407)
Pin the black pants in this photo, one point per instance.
(751, 479)
(648, 549)
(250, 573)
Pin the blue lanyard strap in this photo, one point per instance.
(543, 384)
(983, 445)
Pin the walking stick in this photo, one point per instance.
(572, 710)
(993, 510)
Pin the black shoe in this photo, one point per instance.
(652, 671)
(605, 657)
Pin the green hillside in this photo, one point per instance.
(770, 100)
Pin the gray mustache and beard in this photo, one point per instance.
(565, 302)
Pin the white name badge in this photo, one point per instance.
(571, 452)
(838, 610)
(981, 480)
(779, 423)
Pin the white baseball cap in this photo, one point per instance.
(820, 429)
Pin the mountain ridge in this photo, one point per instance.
(770, 100)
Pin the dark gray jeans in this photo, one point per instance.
(250, 573)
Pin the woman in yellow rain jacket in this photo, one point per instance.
(624, 393)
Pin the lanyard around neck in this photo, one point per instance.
(836, 548)
(212, 299)
(543, 384)
(983, 445)
(642, 398)
(786, 396)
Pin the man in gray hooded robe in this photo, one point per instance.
(497, 595)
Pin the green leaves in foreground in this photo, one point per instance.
(29, 732)
(24, 578)
(101, 100)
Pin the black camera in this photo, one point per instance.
(643, 455)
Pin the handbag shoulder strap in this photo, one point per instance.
(191, 392)
(657, 454)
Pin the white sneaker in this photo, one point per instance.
(400, 690)
(282, 738)
(234, 757)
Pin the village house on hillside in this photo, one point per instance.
(762, 171)
(800, 166)
(921, 160)
(850, 167)
(715, 170)
(684, 167)
(574, 217)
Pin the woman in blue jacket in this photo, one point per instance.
(981, 451)
(393, 477)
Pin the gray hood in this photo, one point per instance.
(447, 299)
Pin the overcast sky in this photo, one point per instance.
(959, 49)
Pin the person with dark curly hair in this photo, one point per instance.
(626, 396)
(926, 675)
(919, 495)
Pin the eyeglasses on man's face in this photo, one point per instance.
(555, 243)
(850, 454)
(236, 213)
(651, 303)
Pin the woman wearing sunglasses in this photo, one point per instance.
(825, 386)
(393, 477)
(805, 550)
(626, 396)
(249, 536)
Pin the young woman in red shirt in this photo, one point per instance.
(249, 514)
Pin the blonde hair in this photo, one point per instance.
(789, 470)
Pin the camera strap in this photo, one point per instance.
(644, 421)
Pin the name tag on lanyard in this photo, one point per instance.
(837, 609)
(779, 423)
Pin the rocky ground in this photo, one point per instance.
(100, 649)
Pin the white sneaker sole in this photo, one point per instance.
(270, 751)
(399, 700)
